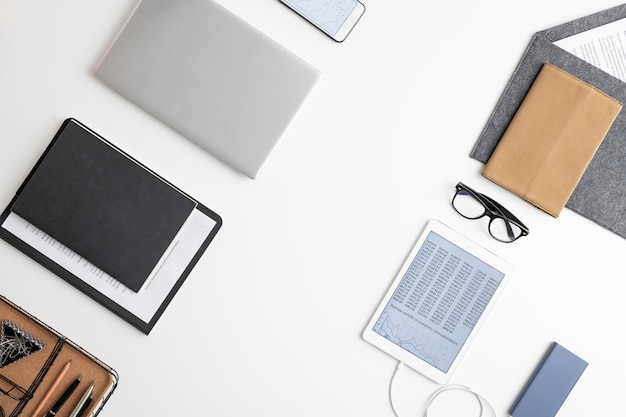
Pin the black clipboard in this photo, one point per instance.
(107, 290)
(600, 195)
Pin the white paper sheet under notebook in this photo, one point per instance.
(602, 47)
(210, 76)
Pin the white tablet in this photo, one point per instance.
(437, 302)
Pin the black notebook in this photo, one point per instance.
(109, 225)
(107, 208)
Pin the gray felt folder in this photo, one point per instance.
(601, 193)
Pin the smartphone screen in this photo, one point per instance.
(336, 18)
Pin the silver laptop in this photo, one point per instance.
(210, 76)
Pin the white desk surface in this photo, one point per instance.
(269, 321)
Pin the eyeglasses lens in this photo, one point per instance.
(467, 205)
(504, 230)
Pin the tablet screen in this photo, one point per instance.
(438, 302)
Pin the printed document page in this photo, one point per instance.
(603, 47)
(143, 304)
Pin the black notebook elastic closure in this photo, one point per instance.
(102, 204)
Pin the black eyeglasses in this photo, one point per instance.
(503, 225)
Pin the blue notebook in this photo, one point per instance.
(550, 385)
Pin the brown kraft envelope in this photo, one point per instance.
(551, 139)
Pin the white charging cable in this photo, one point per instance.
(482, 401)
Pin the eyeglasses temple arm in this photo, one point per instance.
(506, 213)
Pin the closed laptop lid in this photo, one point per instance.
(210, 76)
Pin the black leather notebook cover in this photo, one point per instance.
(103, 205)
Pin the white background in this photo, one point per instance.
(269, 321)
